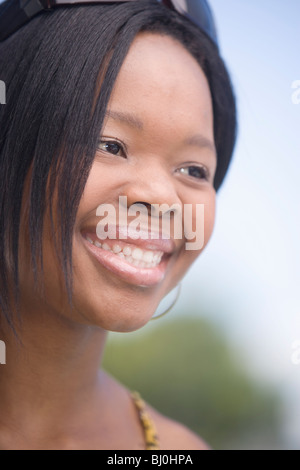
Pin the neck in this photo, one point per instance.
(56, 367)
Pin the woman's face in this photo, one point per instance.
(157, 147)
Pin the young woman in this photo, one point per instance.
(114, 105)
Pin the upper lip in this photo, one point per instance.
(145, 240)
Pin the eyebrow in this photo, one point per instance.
(127, 118)
(201, 141)
(197, 140)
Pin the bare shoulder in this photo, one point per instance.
(173, 435)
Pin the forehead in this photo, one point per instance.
(161, 79)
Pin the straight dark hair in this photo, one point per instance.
(59, 71)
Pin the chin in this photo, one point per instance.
(123, 316)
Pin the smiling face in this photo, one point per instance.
(156, 147)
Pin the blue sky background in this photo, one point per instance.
(248, 278)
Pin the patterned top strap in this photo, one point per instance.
(151, 438)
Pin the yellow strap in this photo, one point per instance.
(150, 433)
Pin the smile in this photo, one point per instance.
(143, 266)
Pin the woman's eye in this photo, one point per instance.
(111, 147)
(198, 172)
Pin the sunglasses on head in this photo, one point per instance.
(16, 13)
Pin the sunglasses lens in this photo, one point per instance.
(199, 12)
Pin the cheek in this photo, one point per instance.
(200, 221)
(102, 186)
(209, 218)
(202, 227)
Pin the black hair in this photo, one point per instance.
(59, 71)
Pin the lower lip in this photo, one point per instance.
(128, 272)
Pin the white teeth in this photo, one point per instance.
(148, 256)
(156, 257)
(127, 251)
(135, 256)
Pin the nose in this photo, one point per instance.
(153, 186)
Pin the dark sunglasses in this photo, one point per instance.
(16, 13)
